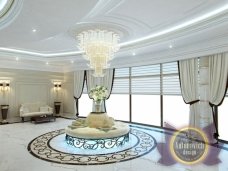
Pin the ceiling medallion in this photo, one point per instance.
(99, 47)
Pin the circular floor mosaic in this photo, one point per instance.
(53, 147)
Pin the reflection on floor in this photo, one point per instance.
(145, 151)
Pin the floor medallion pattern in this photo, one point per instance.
(52, 147)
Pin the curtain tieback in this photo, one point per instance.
(76, 103)
(75, 98)
(193, 102)
(211, 104)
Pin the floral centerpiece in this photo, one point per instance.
(98, 93)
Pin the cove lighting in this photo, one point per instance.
(153, 35)
(180, 26)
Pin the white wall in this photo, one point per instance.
(29, 86)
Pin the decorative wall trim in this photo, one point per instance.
(20, 78)
(19, 85)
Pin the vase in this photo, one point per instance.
(98, 106)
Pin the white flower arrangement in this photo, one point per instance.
(98, 93)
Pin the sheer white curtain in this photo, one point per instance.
(188, 71)
(218, 73)
(78, 87)
(106, 81)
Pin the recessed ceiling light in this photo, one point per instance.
(47, 63)
(170, 46)
(33, 30)
(133, 53)
(17, 59)
(72, 61)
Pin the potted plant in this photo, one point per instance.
(98, 94)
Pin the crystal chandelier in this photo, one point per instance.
(99, 47)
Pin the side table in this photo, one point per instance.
(57, 107)
(4, 110)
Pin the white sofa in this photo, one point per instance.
(35, 109)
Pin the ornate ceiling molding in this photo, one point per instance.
(217, 45)
(200, 23)
(205, 26)
(10, 12)
(196, 22)
(103, 7)
(6, 5)
(152, 48)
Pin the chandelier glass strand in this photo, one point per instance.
(99, 47)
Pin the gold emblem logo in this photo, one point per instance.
(188, 145)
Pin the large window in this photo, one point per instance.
(173, 104)
(173, 108)
(145, 94)
(139, 94)
(154, 87)
(118, 105)
(85, 105)
(146, 109)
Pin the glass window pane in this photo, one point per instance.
(85, 105)
(121, 81)
(121, 72)
(175, 111)
(171, 85)
(120, 86)
(147, 85)
(146, 70)
(117, 106)
(170, 68)
(146, 109)
(222, 119)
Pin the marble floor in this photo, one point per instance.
(14, 155)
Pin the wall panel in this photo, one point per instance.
(29, 86)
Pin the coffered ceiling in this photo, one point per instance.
(41, 34)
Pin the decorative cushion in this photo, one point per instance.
(101, 120)
(44, 109)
